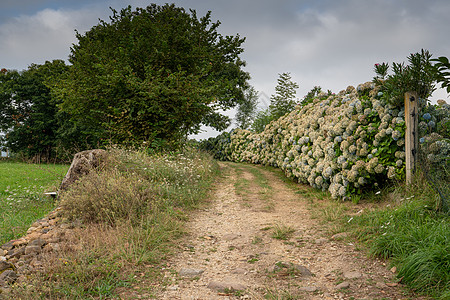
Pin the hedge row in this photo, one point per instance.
(346, 143)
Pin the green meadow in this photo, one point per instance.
(22, 199)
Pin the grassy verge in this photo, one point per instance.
(21, 195)
(399, 224)
(414, 236)
(133, 212)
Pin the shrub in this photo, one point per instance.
(342, 143)
(347, 143)
(134, 185)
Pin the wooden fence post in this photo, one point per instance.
(411, 133)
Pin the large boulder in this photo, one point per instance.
(83, 162)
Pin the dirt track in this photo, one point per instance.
(231, 252)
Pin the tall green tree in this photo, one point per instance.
(284, 100)
(247, 109)
(28, 112)
(156, 73)
(30, 116)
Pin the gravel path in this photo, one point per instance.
(231, 251)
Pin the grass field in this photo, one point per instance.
(21, 195)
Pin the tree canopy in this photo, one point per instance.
(156, 73)
(284, 100)
(281, 103)
(28, 113)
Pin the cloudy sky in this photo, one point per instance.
(330, 43)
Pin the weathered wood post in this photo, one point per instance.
(411, 133)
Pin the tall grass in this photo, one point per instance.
(133, 211)
(21, 195)
(415, 236)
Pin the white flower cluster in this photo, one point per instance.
(341, 143)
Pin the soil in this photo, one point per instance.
(231, 251)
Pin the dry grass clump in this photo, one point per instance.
(133, 184)
(109, 196)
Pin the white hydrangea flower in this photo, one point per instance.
(391, 172)
(379, 168)
(342, 191)
(361, 181)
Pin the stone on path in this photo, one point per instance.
(310, 289)
(343, 285)
(340, 236)
(190, 272)
(226, 286)
(320, 241)
(381, 285)
(301, 270)
(239, 271)
(230, 237)
(352, 275)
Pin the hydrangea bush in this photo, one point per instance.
(345, 143)
(434, 147)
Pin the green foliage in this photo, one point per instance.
(311, 95)
(284, 100)
(346, 143)
(215, 145)
(246, 110)
(29, 113)
(443, 71)
(281, 103)
(263, 117)
(418, 76)
(282, 232)
(434, 149)
(156, 73)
